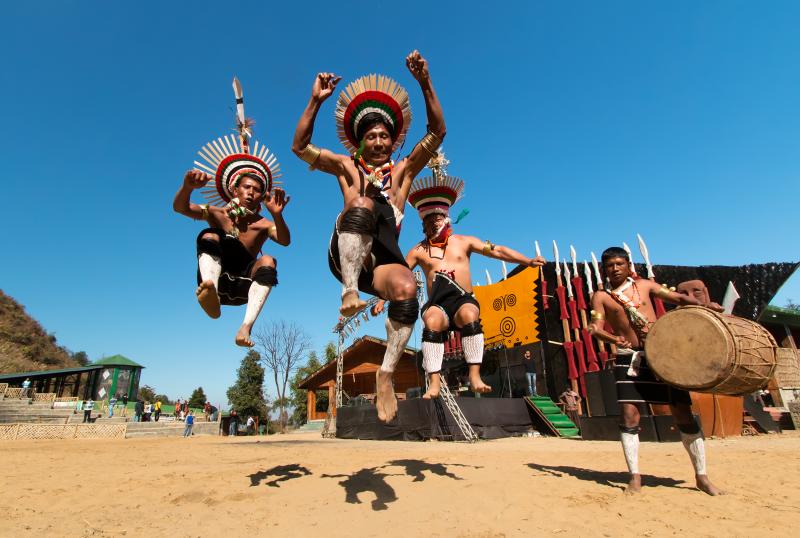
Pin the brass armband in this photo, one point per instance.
(272, 228)
(488, 247)
(430, 143)
(204, 209)
(662, 292)
(597, 316)
(310, 154)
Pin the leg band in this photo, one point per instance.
(267, 276)
(472, 328)
(358, 220)
(437, 337)
(397, 335)
(632, 430)
(473, 346)
(207, 246)
(692, 428)
(405, 311)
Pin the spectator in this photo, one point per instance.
(148, 411)
(111, 403)
(233, 427)
(207, 411)
(88, 405)
(571, 401)
(187, 430)
(158, 410)
(251, 425)
(138, 410)
(530, 372)
(26, 385)
(185, 408)
(124, 405)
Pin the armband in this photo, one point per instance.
(310, 154)
(488, 247)
(204, 209)
(663, 292)
(597, 316)
(430, 143)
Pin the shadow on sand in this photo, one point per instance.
(415, 468)
(367, 480)
(612, 479)
(282, 474)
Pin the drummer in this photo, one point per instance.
(626, 304)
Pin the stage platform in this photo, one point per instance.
(420, 420)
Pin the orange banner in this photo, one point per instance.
(508, 309)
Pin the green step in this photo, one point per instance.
(550, 412)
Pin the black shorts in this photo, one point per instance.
(448, 296)
(385, 249)
(646, 387)
(237, 264)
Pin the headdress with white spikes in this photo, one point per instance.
(438, 193)
(229, 159)
(372, 94)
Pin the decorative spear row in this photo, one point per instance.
(576, 327)
(569, 347)
(577, 283)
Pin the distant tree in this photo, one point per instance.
(284, 345)
(298, 397)
(246, 396)
(147, 393)
(198, 398)
(81, 358)
(163, 398)
(791, 305)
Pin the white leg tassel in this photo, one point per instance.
(473, 348)
(256, 298)
(353, 250)
(696, 447)
(432, 355)
(630, 446)
(397, 336)
(210, 268)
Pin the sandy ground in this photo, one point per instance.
(295, 485)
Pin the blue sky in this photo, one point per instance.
(584, 122)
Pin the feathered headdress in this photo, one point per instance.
(438, 193)
(229, 159)
(372, 93)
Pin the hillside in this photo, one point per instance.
(24, 344)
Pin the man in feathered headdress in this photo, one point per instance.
(444, 258)
(372, 116)
(230, 270)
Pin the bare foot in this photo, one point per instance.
(635, 485)
(705, 485)
(433, 387)
(478, 386)
(243, 337)
(208, 298)
(351, 303)
(386, 400)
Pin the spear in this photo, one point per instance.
(577, 283)
(659, 304)
(569, 347)
(488, 278)
(575, 327)
(630, 257)
(587, 272)
(242, 124)
(545, 298)
(603, 355)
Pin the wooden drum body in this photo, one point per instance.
(697, 349)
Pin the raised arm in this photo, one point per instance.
(319, 158)
(275, 204)
(194, 179)
(427, 147)
(499, 252)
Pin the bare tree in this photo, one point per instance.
(283, 345)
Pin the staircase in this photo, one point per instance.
(551, 416)
(312, 426)
(23, 411)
